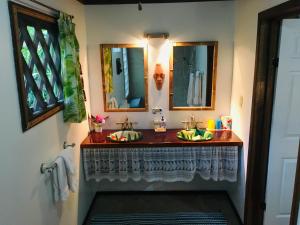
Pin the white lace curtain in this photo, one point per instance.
(161, 164)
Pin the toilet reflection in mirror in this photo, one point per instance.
(193, 75)
(124, 77)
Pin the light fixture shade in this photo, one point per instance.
(156, 35)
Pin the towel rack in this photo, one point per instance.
(68, 145)
(50, 167)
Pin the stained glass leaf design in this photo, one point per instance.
(31, 31)
(49, 74)
(32, 101)
(46, 35)
(57, 91)
(26, 53)
(41, 53)
(45, 95)
(53, 54)
(36, 76)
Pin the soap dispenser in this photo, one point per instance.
(163, 122)
(162, 125)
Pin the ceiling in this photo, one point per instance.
(116, 2)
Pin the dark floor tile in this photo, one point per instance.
(155, 202)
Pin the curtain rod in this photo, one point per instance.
(48, 7)
(27, 3)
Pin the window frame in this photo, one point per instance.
(28, 118)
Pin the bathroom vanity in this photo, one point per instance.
(161, 157)
(165, 139)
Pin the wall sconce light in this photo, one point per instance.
(156, 35)
(159, 76)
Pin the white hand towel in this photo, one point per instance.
(60, 183)
(203, 91)
(69, 160)
(64, 175)
(200, 89)
(113, 103)
(190, 90)
(196, 93)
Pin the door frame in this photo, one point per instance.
(266, 63)
(296, 196)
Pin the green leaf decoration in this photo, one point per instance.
(74, 110)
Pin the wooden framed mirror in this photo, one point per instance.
(124, 77)
(193, 75)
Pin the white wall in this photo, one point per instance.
(205, 21)
(125, 24)
(246, 15)
(25, 194)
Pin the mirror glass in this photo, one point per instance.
(193, 76)
(124, 77)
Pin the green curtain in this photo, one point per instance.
(74, 110)
(108, 70)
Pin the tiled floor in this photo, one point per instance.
(154, 202)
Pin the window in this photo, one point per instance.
(37, 60)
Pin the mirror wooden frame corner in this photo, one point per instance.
(145, 49)
(214, 77)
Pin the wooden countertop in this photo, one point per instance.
(166, 139)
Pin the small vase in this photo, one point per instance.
(98, 127)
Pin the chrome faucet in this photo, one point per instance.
(192, 123)
(126, 125)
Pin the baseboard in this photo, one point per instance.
(150, 192)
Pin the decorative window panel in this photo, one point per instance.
(37, 60)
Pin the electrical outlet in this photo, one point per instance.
(156, 110)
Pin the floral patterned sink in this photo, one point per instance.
(195, 135)
(125, 136)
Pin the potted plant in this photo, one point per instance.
(96, 122)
